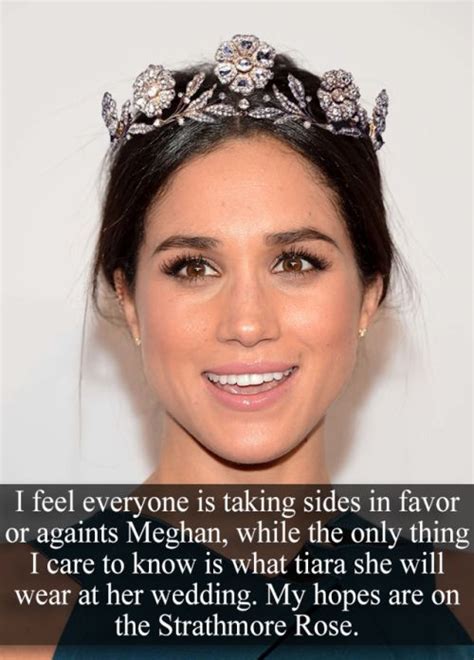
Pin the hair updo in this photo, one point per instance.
(140, 168)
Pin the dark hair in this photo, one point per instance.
(140, 169)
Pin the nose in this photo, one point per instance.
(249, 314)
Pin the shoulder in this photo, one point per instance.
(35, 623)
(458, 579)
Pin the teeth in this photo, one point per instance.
(242, 380)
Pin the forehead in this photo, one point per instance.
(243, 189)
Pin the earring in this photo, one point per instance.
(362, 332)
(138, 341)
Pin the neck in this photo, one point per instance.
(183, 460)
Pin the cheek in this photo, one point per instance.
(325, 328)
(328, 316)
(173, 330)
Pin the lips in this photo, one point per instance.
(249, 367)
(249, 383)
(248, 387)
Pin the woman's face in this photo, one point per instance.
(247, 301)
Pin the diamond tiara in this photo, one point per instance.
(243, 64)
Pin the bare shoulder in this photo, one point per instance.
(39, 623)
(458, 576)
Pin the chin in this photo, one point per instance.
(251, 451)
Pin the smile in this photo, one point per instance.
(249, 391)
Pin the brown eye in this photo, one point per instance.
(292, 264)
(189, 268)
(195, 270)
(300, 262)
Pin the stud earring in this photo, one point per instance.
(138, 341)
(362, 332)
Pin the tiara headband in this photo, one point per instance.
(243, 64)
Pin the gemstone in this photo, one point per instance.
(352, 92)
(242, 84)
(246, 43)
(260, 76)
(348, 109)
(324, 99)
(329, 81)
(337, 95)
(334, 113)
(307, 124)
(244, 64)
(344, 77)
(225, 72)
(152, 91)
(244, 104)
(166, 80)
(265, 113)
(225, 52)
(264, 56)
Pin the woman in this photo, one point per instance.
(244, 235)
(265, 242)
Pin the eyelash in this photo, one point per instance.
(172, 267)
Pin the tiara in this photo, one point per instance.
(243, 64)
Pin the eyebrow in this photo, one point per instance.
(279, 238)
(181, 240)
(298, 235)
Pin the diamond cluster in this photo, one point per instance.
(338, 96)
(244, 64)
(153, 90)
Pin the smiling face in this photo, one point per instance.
(248, 304)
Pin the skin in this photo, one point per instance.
(247, 306)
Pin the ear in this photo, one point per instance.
(370, 301)
(126, 302)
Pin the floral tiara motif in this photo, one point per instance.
(244, 64)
